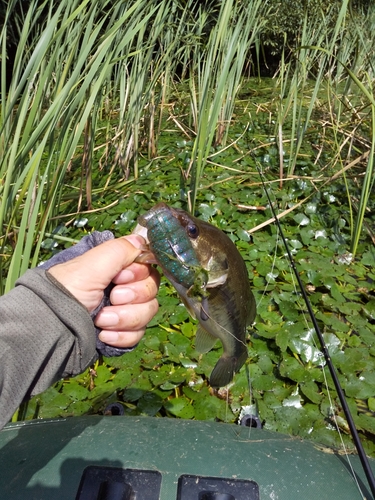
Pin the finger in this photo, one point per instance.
(137, 292)
(121, 339)
(128, 317)
(134, 272)
(136, 240)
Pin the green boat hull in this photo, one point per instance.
(46, 459)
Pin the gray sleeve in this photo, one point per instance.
(45, 334)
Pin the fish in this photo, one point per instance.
(210, 276)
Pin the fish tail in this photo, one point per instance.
(225, 369)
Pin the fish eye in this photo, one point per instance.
(192, 231)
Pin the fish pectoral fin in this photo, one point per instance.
(204, 341)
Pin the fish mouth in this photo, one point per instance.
(141, 231)
(146, 256)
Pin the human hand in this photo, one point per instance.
(133, 297)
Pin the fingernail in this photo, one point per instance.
(109, 337)
(106, 319)
(127, 276)
(135, 239)
(122, 295)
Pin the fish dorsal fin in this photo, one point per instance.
(204, 341)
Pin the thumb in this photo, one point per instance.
(87, 276)
(102, 263)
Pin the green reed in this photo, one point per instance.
(81, 63)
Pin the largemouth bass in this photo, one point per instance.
(210, 276)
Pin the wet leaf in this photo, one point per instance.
(188, 363)
(152, 343)
(282, 339)
(149, 404)
(76, 391)
(307, 351)
(311, 390)
(207, 211)
(180, 407)
(179, 340)
(301, 219)
(294, 370)
(243, 235)
(263, 382)
(49, 244)
(368, 258)
(371, 403)
(81, 222)
(103, 374)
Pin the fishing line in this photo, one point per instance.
(252, 408)
(270, 274)
(353, 430)
(246, 369)
(250, 398)
(222, 327)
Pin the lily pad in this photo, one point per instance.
(180, 407)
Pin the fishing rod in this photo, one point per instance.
(353, 430)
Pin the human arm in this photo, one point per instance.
(46, 331)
